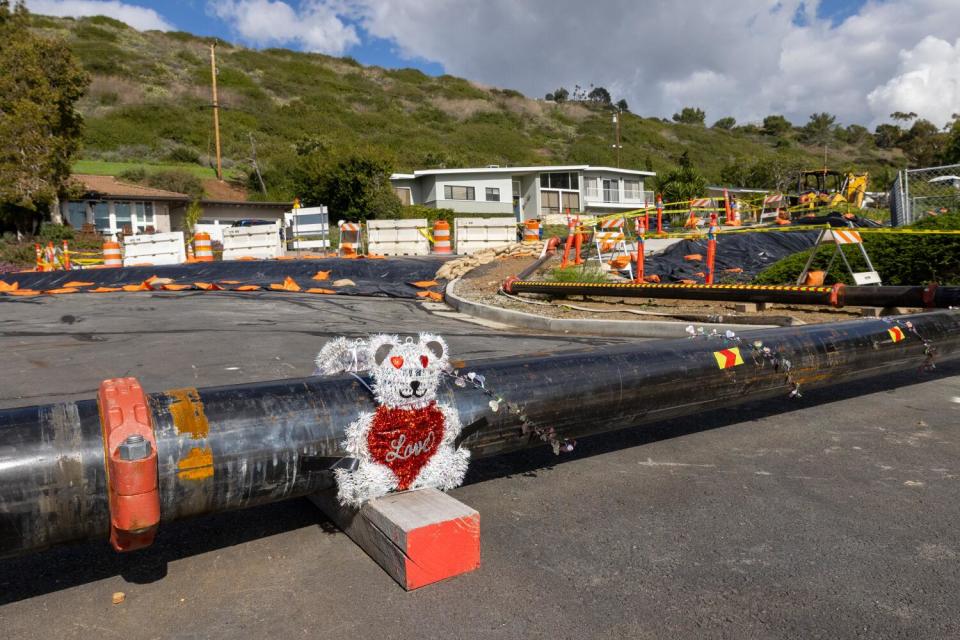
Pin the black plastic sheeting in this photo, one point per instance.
(750, 252)
(836, 219)
(389, 277)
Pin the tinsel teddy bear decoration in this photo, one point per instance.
(409, 442)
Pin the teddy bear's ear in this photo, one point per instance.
(381, 346)
(435, 344)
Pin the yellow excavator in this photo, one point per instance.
(825, 187)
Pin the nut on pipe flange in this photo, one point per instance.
(130, 451)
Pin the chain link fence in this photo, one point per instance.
(916, 193)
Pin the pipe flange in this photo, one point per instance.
(130, 452)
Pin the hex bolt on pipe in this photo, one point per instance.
(930, 296)
(238, 446)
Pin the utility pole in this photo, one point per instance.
(616, 124)
(216, 108)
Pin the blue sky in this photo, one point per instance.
(858, 59)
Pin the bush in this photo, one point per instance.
(177, 180)
(55, 233)
(899, 259)
(183, 154)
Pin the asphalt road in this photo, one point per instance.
(830, 516)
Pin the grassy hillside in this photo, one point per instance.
(150, 95)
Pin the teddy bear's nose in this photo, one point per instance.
(414, 384)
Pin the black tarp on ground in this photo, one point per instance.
(835, 219)
(751, 252)
(389, 277)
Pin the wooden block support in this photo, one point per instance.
(749, 307)
(419, 537)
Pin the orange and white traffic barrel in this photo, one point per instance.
(531, 231)
(202, 247)
(112, 257)
(441, 237)
(349, 238)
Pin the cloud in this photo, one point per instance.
(314, 25)
(927, 82)
(140, 18)
(747, 59)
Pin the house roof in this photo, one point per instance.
(112, 188)
(516, 170)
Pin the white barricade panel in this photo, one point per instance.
(473, 234)
(398, 237)
(310, 228)
(261, 241)
(154, 249)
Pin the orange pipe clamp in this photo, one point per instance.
(130, 450)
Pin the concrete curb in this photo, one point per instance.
(619, 328)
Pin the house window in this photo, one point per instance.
(101, 216)
(550, 202)
(451, 192)
(611, 190)
(77, 214)
(631, 189)
(145, 215)
(404, 193)
(563, 180)
(570, 201)
(493, 194)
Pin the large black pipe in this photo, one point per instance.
(930, 296)
(237, 446)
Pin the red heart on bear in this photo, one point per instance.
(397, 361)
(404, 440)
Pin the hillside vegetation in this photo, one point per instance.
(149, 103)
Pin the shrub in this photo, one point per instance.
(183, 154)
(55, 233)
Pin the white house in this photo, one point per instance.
(527, 192)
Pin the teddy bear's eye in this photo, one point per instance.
(396, 361)
(424, 360)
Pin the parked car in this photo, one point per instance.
(251, 222)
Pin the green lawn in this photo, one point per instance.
(101, 168)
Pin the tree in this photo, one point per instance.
(819, 130)
(623, 106)
(682, 183)
(355, 185)
(951, 152)
(725, 123)
(924, 143)
(887, 136)
(775, 125)
(690, 115)
(40, 83)
(900, 116)
(853, 134)
(600, 95)
(561, 95)
(549, 97)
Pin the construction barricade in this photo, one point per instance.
(351, 238)
(154, 249)
(610, 241)
(309, 228)
(474, 234)
(259, 242)
(202, 248)
(112, 254)
(441, 238)
(398, 237)
(531, 231)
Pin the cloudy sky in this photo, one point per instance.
(859, 59)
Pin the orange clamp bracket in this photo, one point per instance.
(130, 450)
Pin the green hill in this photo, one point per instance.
(149, 102)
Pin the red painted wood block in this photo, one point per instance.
(419, 537)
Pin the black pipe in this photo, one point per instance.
(242, 445)
(548, 251)
(930, 296)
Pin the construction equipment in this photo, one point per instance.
(829, 188)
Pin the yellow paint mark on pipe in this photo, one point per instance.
(196, 465)
(186, 409)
